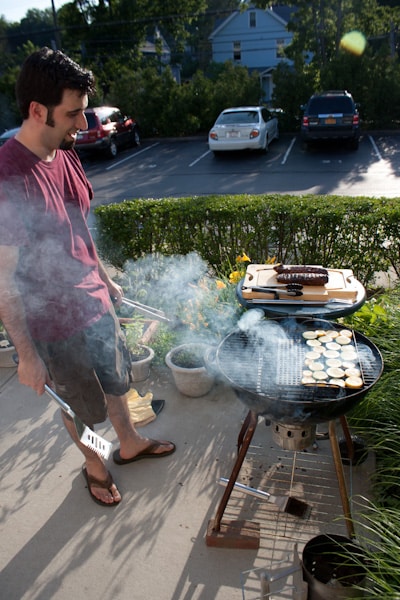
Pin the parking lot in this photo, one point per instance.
(186, 167)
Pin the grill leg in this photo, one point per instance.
(347, 436)
(337, 459)
(242, 535)
(244, 430)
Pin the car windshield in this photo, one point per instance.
(331, 105)
(245, 116)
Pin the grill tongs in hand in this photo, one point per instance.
(159, 315)
(290, 289)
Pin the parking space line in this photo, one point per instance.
(199, 159)
(116, 164)
(288, 151)
(375, 147)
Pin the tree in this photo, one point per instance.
(37, 27)
(319, 61)
(9, 113)
(319, 25)
(114, 25)
(201, 28)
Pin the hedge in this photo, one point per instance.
(360, 233)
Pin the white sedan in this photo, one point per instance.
(243, 128)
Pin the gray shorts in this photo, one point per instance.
(88, 365)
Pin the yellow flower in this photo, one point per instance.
(220, 284)
(235, 277)
(243, 258)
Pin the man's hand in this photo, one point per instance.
(116, 292)
(33, 373)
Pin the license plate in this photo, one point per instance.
(233, 134)
(330, 121)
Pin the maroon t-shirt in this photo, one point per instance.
(43, 210)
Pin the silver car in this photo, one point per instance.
(243, 128)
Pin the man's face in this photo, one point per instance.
(65, 120)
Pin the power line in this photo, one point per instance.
(137, 21)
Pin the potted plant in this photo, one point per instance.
(188, 366)
(7, 349)
(141, 354)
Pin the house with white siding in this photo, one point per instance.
(254, 38)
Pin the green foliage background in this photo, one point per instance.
(359, 233)
(107, 36)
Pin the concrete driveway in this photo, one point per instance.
(56, 543)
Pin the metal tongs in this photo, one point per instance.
(157, 314)
(289, 289)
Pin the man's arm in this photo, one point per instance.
(115, 290)
(31, 369)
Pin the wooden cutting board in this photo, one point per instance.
(341, 284)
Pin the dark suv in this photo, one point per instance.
(108, 130)
(331, 115)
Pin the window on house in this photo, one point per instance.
(237, 51)
(252, 18)
(280, 48)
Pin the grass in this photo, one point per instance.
(377, 420)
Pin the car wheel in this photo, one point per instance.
(264, 149)
(112, 150)
(136, 137)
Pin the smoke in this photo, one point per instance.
(262, 332)
(250, 321)
(187, 291)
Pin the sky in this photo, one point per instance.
(15, 10)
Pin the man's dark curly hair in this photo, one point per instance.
(44, 76)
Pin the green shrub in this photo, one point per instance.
(358, 233)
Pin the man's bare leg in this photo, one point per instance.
(95, 467)
(131, 443)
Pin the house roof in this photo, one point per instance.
(284, 12)
(149, 46)
(279, 13)
(235, 13)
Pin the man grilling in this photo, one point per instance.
(54, 291)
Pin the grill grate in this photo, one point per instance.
(290, 357)
(270, 361)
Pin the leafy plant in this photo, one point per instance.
(164, 339)
(192, 358)
(133, 329)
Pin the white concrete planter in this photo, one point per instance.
(190, 381)
(7, 353)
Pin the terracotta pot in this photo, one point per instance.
(190, 381)
(141, 366)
